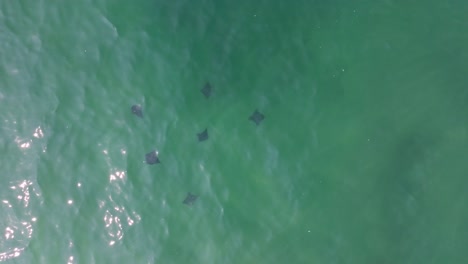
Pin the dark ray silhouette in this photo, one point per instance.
(206, 90)
(190, 199)
(152, 158)
(137, 110)
(203, 135)
(257, 117)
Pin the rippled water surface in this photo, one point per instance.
(361, 157)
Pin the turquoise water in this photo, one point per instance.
(361, 157)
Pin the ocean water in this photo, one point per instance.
(361, 157)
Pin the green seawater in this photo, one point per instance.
(362, 156)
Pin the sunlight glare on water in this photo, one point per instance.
(18, 231)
